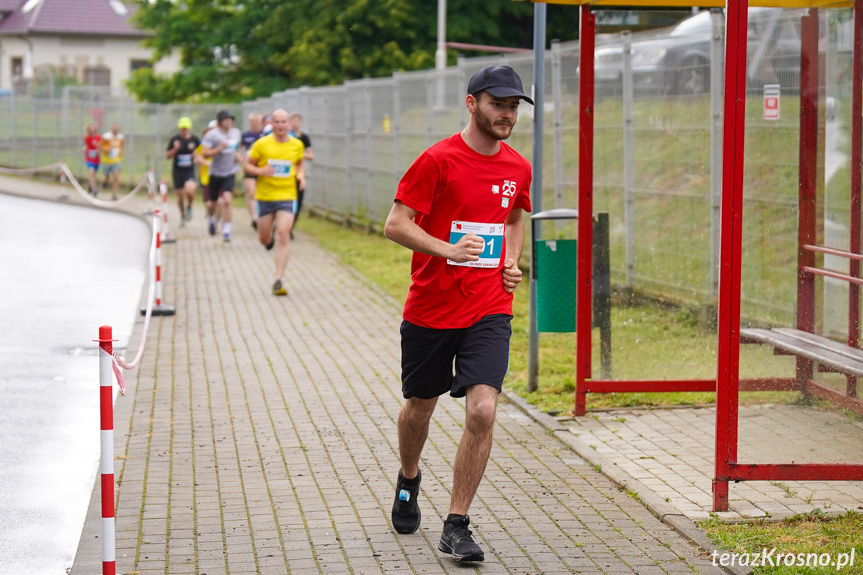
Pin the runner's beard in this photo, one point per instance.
(485, 124)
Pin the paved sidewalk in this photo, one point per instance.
(258, 436)
(670, 454)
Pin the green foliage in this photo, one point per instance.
(232, 51)
(811, 533)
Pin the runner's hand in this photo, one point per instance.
(467, 249)
(511, 275)
(267, 170)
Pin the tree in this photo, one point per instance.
(232, 50)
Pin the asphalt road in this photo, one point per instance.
(65, 271)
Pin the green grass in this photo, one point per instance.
(809, 533)
(648, 342)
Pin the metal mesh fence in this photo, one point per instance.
(657, 146)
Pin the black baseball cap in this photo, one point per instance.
(499, 81)
(224, 114)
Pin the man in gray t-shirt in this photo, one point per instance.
(221, 146)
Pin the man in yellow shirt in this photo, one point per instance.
(277, 160)
(113, 143)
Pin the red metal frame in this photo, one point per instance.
(728, 350)
(584, 290)
(856, 175)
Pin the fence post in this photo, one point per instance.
(349, 152)
(106, 410)
(395, 127)
(461, 82)
(370, 176)
(557, 96)
(14, 123)
(539, 15)
(429, 109)
(35, 140)
(628, 158)
(717, 66)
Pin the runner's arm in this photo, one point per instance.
(301, 175)
(514, 235)
(172, 151)
(402, 229)
(250, 166)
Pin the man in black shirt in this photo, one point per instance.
(181, 149)
(308, 156)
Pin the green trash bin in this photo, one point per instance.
(555, 264)
(555, 285)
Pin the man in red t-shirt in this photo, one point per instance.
(460, 209)
(92, 145)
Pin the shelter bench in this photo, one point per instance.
(829, 354)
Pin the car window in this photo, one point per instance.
(698, 24)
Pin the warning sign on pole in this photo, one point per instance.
(771, 101)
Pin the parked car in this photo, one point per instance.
(676, 60)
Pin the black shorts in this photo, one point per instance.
(219, 185)
(480, 352)
(183, 176)
(265, 208)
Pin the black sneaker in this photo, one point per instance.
(279, 289)
(457, 540)
(212, 228)
(406, 508)
(272, 242)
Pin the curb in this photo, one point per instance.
(656, 505)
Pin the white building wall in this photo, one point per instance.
(77, 53)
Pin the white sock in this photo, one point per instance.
(226, 228)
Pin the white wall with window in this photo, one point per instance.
(93, 61)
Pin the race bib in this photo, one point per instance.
(282, 167)
(233, 144)
(114, 153)
(184, 160)
(92, 154)
(491, 235)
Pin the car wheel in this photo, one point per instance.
(694, 77)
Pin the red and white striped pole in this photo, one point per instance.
(63, 194)
(158, 307)
(106, 409)
(163, 190)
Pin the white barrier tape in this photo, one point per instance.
(95, 201)
(149, 312)
(104, 373)
(51, 168)
(65, 171)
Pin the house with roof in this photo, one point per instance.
(90, 40)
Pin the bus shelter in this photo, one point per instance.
(812, 351)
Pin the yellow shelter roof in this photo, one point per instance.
(703, 3)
